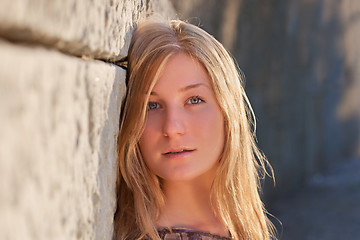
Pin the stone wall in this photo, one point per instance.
(302, 63)
(59, 112)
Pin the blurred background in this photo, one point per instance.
(301, 59)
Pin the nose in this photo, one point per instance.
(173, 124)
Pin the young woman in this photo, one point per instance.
(188, 164)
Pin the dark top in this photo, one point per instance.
(187, 234)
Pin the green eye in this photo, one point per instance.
(194, 100)
(152, 105)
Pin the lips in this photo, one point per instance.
(181, 152)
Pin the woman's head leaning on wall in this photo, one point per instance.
(235, 188)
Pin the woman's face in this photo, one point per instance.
(184, 129)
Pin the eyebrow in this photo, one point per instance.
(186, 88)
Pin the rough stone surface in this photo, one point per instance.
(99, 29)
(59, 113)
(58, 121)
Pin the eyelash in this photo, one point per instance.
(155, 105)
(197, 98)
(152, 103)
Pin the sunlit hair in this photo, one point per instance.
(236, 187)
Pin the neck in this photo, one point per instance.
(188, 205)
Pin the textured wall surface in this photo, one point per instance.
(57, 111)
(98, 28)
(302, 60)
(59, 114)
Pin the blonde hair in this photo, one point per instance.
(236, 186)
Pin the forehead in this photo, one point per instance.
(181, 70)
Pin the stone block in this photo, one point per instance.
(99, 29)
(59, 120)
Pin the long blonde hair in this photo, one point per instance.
(236, 186)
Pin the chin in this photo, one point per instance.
(178, 178)
(183, 176)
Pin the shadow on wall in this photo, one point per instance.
(302, 61)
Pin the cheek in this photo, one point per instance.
(218, 133)
(147, 141)
(210, 123)
(144, 142)
(145, 149)
(214, 131)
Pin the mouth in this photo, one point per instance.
(175, 152)
(178, 153)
